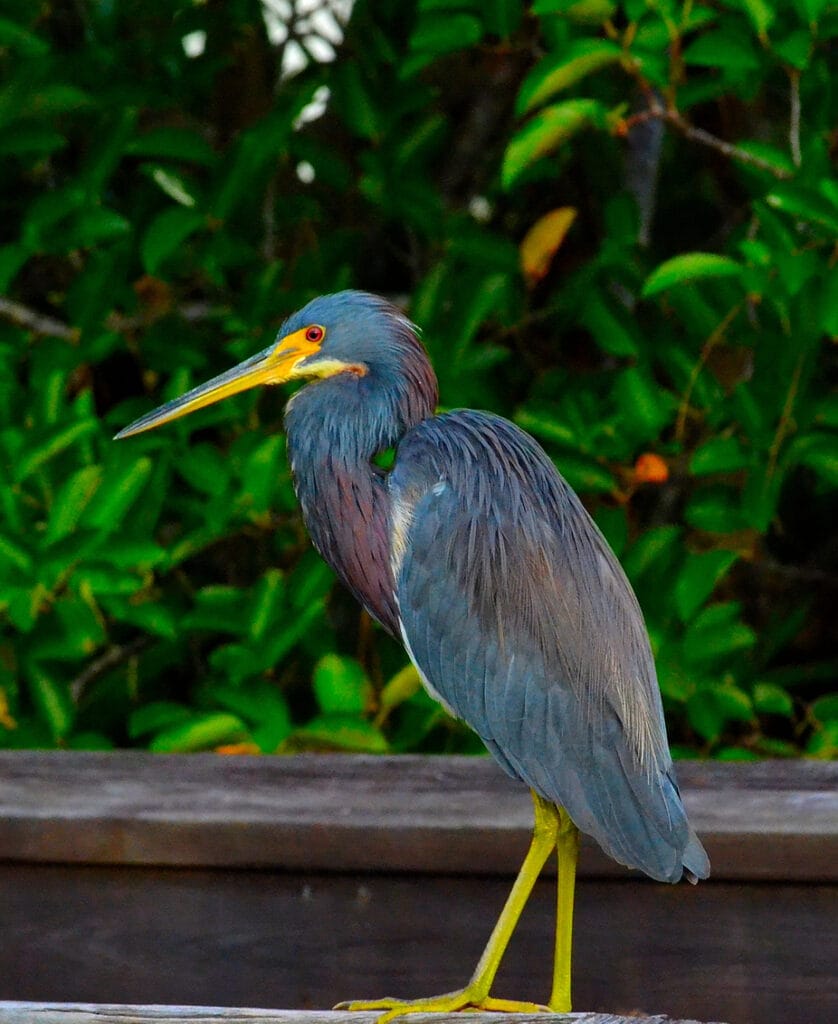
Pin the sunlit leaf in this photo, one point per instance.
(341, 686)
(558, 71)
(770, 699)
(545, 132)
(198, 732)
(690, 266)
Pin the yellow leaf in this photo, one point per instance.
(542, 241)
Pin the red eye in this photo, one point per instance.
(314, 334)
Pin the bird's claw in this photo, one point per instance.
(450, 1002)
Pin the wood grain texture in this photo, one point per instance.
(761, 821)
(101, 1013)
(755, 953)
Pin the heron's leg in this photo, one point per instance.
(567, 850)
(476, 993)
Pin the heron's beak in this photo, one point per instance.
(273, 366)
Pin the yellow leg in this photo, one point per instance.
(567, 850)
(550, 826)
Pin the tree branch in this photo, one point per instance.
(675, 118)
(31, 320)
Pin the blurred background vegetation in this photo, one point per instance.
(616, 222)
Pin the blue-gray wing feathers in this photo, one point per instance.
(519, 617)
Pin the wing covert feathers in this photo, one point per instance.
(520, 618)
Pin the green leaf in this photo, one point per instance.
(205, 469)
(770, 699)
(439, 33)
(798, 201)
(157, 716)
(761, 14)
(689, 266)
(502, 17)
(166, 233)
(614, 334)
(260, 704)
(12, 258)
(261, 473)
(795, 49)
(52, 699)
(698, 578)
(220, 609)
(654, 547)
(16, 37)
(339, 732)
(30, 140)
(545, 132)
(71, 501)
(825, 709)
(819, 451)
(585, 12)
(267, 601)
(586, 475)
(341, 686)
(556, 72)
(824, 742)
(57, 443)
(645, 407)
(199, 732)
(725, 49)
(718, 455)
(180, 144)
(14, 554)
(119, 490)
(705, 716)
(56, 99)
(717, 633)
(399, 688)
(154, 618)
(711, 708)
(715, 510)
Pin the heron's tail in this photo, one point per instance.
(696, 861)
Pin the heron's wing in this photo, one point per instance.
(521, 621)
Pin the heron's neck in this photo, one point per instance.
(335, 428)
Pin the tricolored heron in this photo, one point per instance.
(475, 552)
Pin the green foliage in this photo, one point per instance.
(667, 333)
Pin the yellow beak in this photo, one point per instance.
(273, 366)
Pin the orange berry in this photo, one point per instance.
(650, 469)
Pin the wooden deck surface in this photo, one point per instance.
(98, 1013)
(297, 882)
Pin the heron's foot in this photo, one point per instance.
(466, 999)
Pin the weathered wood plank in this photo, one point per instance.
(100, 1013)
(756, 953)
(769, 820)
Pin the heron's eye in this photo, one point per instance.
(315, 333)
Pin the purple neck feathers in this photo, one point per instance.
(335, 427)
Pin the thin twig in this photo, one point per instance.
(32, 320)
(689, 131)
(49, 327)
(794, 117)
(715, 337)
(784, 425)
(694, 134)
(112, 657)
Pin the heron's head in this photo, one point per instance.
(350, 332)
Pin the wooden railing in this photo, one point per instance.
(296, 882)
